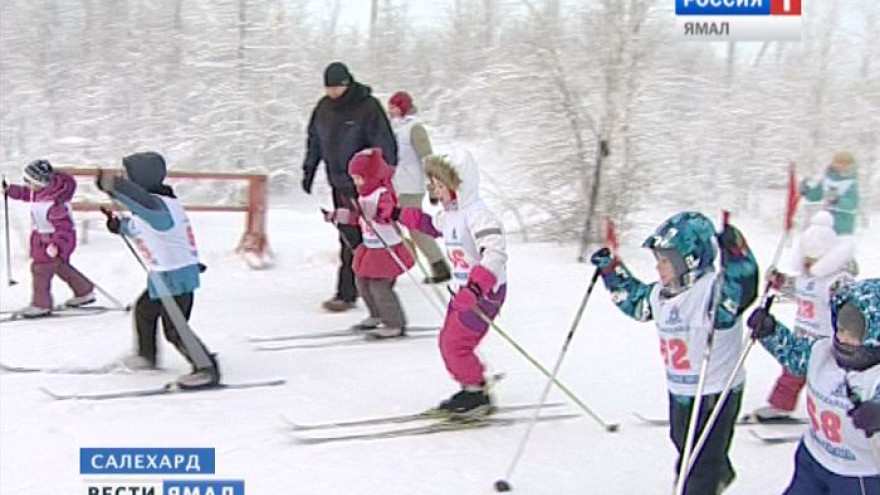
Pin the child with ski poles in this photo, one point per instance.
(382, 256)
(163, 235)
(476, 247)
(824, 261)
(835, 455)
(53, 236)
(691, 302)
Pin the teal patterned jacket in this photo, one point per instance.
(738, 290)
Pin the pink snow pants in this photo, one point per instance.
(461, 334)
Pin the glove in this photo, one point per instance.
(762, 323)
(866, 416)
(480, 282)
(113, 223)
(52, 250)
(604, 259)
(308, 179)
(732, 241)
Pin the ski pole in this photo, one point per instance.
(437, 291)
(341, 234)
(503, 485)
(119, 305)
(397, 259)
(11, 281)
(701, 383)
(790, 210)
(719, 404)
(610, 427)
(766, 302)
(196, 350)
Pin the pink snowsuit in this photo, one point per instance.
(52, 224)
(475, 246)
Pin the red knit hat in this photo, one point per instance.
(370, 165)
(403, 101)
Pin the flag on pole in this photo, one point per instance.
(793, 198)
(610, 236)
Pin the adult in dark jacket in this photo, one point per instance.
(346, 120)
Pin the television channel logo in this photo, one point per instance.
(738, 20)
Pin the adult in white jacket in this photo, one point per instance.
(410, 181)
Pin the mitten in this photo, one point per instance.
(113, 223)
(866, 416)
(480, 282)
(762, 323)
(604, 260)
(465, 299)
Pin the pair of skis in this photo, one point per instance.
(59, 312)
(169, 389)
(750, 420)
(335, 338)
(501, 416)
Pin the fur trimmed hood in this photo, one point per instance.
(459, 172)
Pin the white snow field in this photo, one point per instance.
(613, 364)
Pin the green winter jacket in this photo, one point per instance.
(840, 193)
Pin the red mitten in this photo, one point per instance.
(465, 299)
(480, 283)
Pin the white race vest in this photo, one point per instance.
(40, 216)
(461, 247)
(368, 205)
(813, 313)
(410, 175)
(832, 438)
(682, 325)
(166, 250)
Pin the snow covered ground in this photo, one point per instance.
(613, 364)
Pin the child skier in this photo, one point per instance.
(476, 248)
(53, 236)
(682, 305)
(374, 265)
(835, 455)
(824, 261)
(163, 235)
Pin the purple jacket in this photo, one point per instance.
(59, 192)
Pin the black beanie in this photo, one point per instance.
(336, 74)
